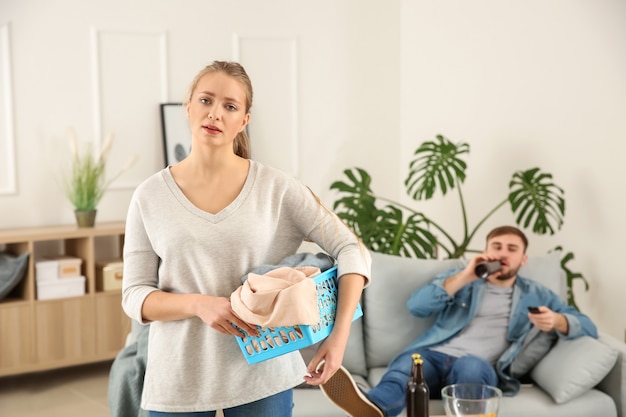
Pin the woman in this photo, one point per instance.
(193, 230)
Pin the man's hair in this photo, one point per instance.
(508, 230)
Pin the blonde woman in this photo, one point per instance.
(193, 230)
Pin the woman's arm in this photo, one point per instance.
(332, 349)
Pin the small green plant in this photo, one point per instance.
(394, 228)
(87, 181)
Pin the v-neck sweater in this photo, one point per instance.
(172, 245)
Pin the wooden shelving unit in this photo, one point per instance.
(37, 334)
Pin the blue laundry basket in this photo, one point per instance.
(276, 341)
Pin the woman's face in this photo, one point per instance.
(217, 109)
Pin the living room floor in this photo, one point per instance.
(69, 392)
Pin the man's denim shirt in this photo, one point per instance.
(456, 312)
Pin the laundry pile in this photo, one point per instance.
(281, 295)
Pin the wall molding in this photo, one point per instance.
(7, 138)
(96, 36)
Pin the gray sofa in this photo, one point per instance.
(584, 377)
(387, 327)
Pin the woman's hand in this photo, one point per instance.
(218, 314)
(214, 311)
(326, 360)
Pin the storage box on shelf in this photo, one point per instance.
(109, 275)
(59, 277)
(58, 316)
(61, 288)
(46, 270)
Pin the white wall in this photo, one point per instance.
(526, 83)
(529, 83)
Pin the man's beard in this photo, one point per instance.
(511, 274)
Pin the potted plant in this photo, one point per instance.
(394, 228)
(87, 181)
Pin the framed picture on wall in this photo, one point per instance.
(176, 134)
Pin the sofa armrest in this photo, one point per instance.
(614, 383)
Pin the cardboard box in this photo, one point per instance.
(60, 288)
(109, 275)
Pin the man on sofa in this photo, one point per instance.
(483, 331)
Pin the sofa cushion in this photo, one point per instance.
(536, 345)
(572, 367)
(532, 401)
(547, 270)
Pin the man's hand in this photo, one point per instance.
(467, 275)
(546, 320)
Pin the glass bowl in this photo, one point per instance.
(471, 400)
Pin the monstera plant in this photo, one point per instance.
(390, 227)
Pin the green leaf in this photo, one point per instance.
(357, 207)
(537, 201)
(436, 165)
